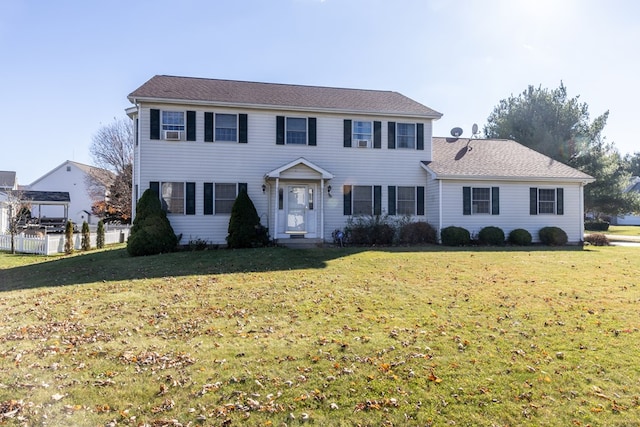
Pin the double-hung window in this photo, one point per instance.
(172, 124)
(225, 196)
(406, 135)
(406, 202)
(296, 130)
(226, 127)
(546, 200)
(362, 133)
(362, 200)
(172, 197)
(480, 200)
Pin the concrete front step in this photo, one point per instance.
(301, 243)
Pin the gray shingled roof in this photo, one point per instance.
(46, 196)
(496, 159)
(278, 95)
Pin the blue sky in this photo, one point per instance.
(68, 66)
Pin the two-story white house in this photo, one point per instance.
(312, 157)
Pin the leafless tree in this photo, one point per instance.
(112, 150)
(18, 214)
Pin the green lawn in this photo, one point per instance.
(624, 230)
(268, 337)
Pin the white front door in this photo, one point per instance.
(297, 204)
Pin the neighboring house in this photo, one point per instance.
(8, 181)
(311, 157)
(629, 219)
(73, 178)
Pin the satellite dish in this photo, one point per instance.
(456, 132)
(474, 129)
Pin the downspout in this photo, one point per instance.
(581, 230)
(439, 208)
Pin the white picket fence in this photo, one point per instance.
(50, 244)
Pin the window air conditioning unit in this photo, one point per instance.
(173, 135)
(363, 143)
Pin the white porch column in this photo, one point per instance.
(277, 208)
(322, 209)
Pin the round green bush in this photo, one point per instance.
(520, 237)
(416, 233)
(553, 236)
(493, 236)
(151, 232)
(455, 236)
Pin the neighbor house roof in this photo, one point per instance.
(7, 179)
(53, 197)
(103, 175)
(463, 158)
(282, 96)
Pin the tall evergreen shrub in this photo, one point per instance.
(68, 238)
(100, 235)
(86, 237)
(245, 230)
(151, 232)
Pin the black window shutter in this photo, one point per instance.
(135, 135)
(243, 131)
(420, 135)
(495, 200)
(560, 201)
(377, 134)
(312, 130)
(208, 127)
(346, 140)
(466, 200)
(154, 121)
(420, 200)
(242, 186)
(191, 125)
(191, 198)
(391, 135)
(377, 200)
(533, 201)
(155, 186)
(208, 198)
(391, 203)
(346, 198)
(280, 130)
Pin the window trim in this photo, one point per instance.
(182, 128)
(554, 202)
(413, 144)
(356, 140)
(165, 205)
(474, 201)
(215, 127)
(370, 200)
(413, 200)
(286, 130)
(215, 197)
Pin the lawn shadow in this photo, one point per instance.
(116, 265)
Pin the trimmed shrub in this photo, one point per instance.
(416, 233)
(597, 239)
(520, 237)
(151, 232)
(596, 225)
(455, 236)
(491, 235)
(553, 236)
(86, 237)
(68, 238)
(370, 230)
(245, 230)
(100, 235)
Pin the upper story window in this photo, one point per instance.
(480, 200)
(172, 124)
(362, 133)
(226, 127)
(406, 135)
(296, 130)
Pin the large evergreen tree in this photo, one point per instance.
(151, 232)
(553, 124)
(245, 230)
